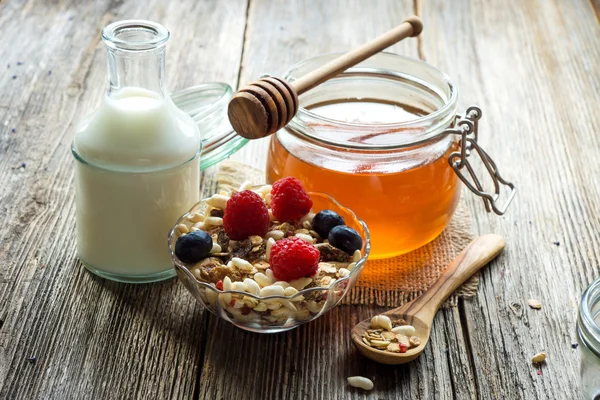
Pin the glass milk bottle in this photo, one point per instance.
(137, 161)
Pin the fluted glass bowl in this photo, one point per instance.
(283, 312)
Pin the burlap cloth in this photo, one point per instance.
(394, 281)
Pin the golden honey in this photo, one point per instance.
(405, 195)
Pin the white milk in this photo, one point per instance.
(140, 172)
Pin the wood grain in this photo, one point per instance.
(313, 361)
(531, 65)
(540, 123)
(252, 112)
(64, 333)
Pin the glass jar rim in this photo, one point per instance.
(449, 106)
(588, 328)
(157, 35)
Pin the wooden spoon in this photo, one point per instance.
(267, 105)
(421, 311)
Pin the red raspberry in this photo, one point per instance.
(289, 200)
(246, 214)
(293, 258)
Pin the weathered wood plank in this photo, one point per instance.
(96, 339)
(540, 98)
(64, 333)
(314, 361)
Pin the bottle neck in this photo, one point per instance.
(136, 56)
(145, 69)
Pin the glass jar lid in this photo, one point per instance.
(207, 105)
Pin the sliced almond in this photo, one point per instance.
(394, 348)
(255, 240)
(402, 339)
(327, 268)
(380, 343)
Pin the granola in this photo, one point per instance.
(395, 337)
(244, 266)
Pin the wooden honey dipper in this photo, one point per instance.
(267, 105)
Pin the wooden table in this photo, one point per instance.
(533, 65)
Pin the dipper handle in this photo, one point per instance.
(412, 26)
(267, 105)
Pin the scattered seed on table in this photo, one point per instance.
(360, 382)
(556, 243)
(14, 77)
(539, 358)
(575, 345)
(13, 130)
(535, 304)
(19, 62)
(32, 359)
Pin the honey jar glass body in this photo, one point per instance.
(374, 138)
(588, 336)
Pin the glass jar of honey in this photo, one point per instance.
(384, 139)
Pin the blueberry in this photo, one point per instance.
(325, 220)
(345, 238)
(193, 247)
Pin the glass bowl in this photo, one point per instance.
(282, 312)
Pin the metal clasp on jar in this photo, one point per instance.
(466, 128)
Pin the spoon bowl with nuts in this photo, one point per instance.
(400, 335)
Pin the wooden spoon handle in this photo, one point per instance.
(412, 26)
(476, 255)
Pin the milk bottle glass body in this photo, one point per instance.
(137, 161)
